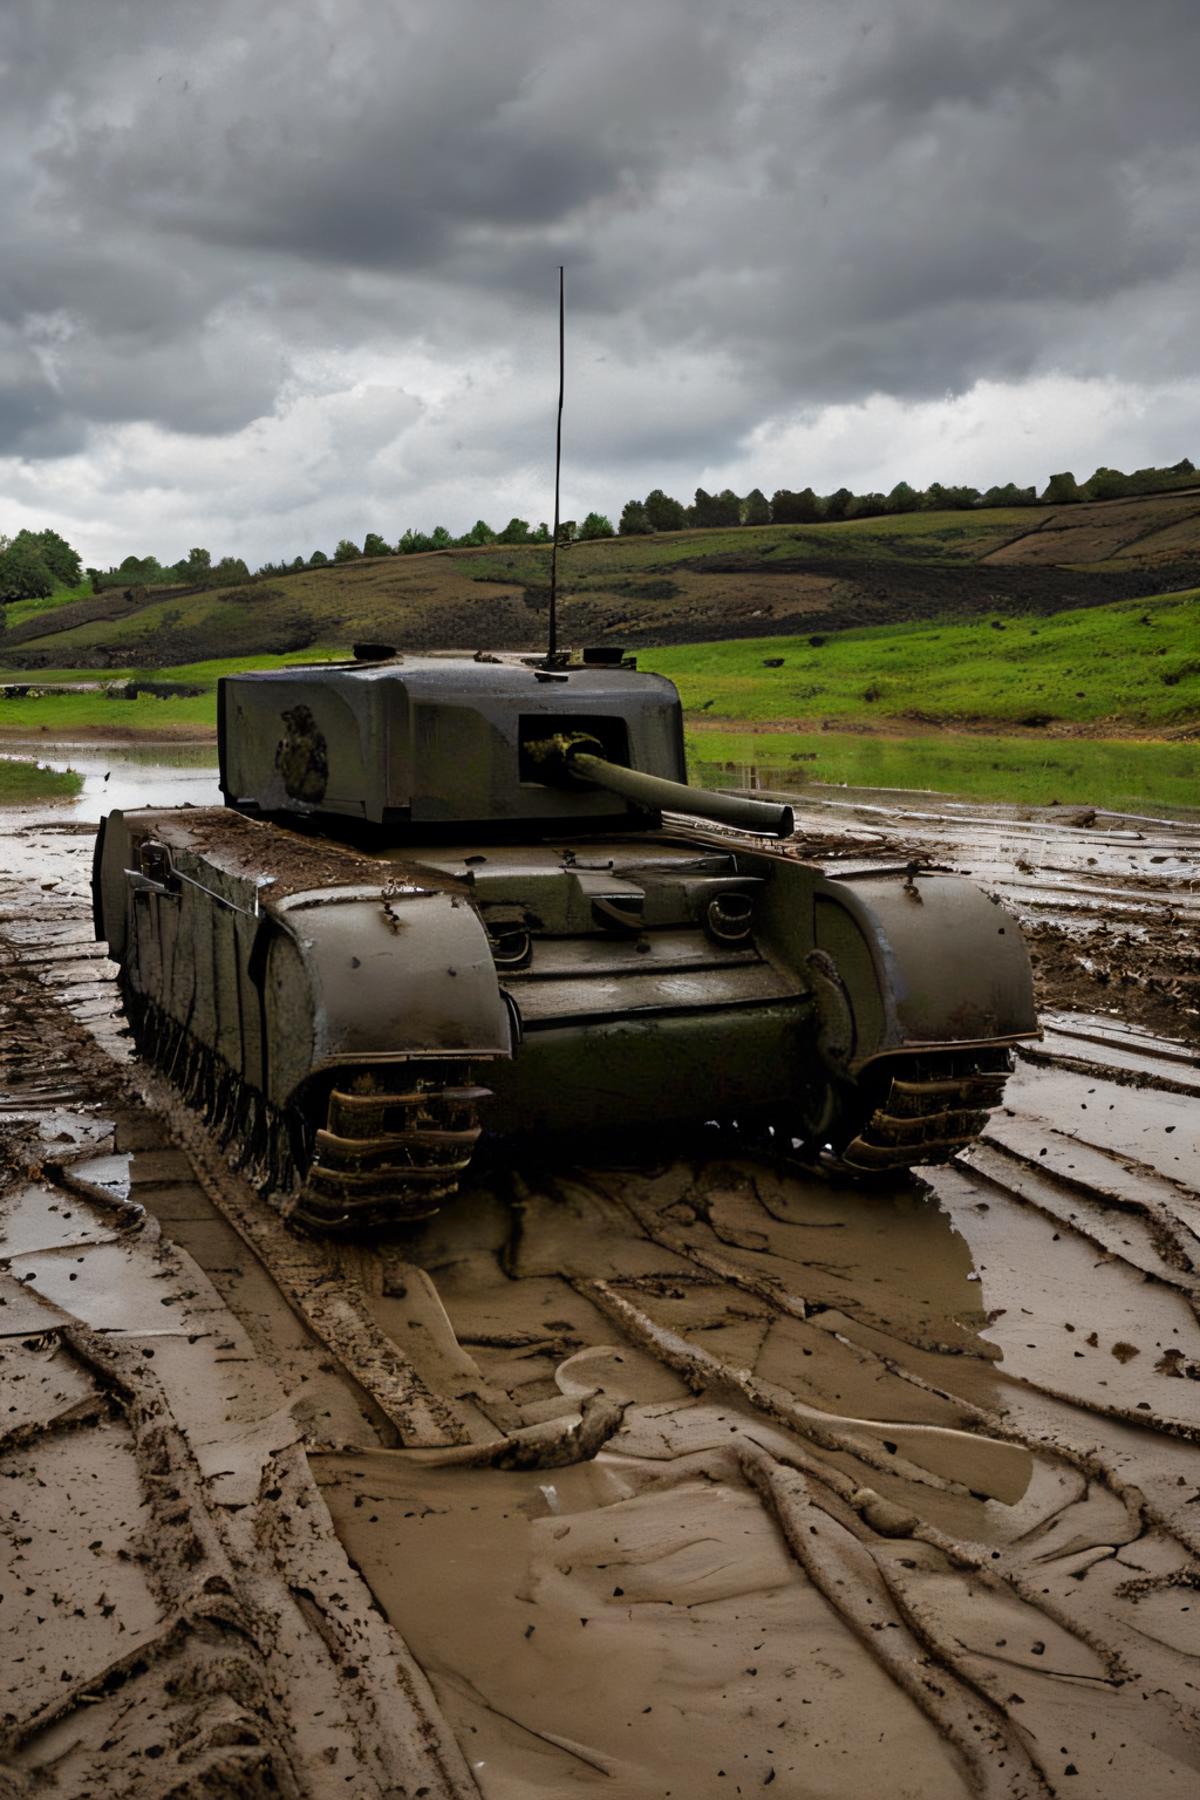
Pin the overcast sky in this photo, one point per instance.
(279, 273)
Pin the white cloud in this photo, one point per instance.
(343, 460)
(994, 433)
(280, 274)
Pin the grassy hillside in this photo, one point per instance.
(906, 651)
(1127, 668)
(1134, 664)
(19, 612)
(676, 588)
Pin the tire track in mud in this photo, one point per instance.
(179, 1616)
(677, 1478)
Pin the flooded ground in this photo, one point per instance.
(128, 775)
(697, 1479)
(1034, 767)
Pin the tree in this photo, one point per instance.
(937, 498)
(317, 560)
(135, 570)
(837, 504)
(297, 562)
(567, 531)
(703, 509)
(1062, 490)
(515, 532)
(373, 545)
(63, 562)
(795, 509)
(756, 508)
(1107, 484)
(199, 562)
(866, 506)
(596, 526)
(229, 570)
(903, 498)
(635, 520)
(23, 573)
(440, 538)
(541, 535)
(480, 533)
(346, 551)
(664, 513)
(1010, 495)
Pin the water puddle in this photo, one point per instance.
(128, 775)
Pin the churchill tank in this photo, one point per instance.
(453, 897)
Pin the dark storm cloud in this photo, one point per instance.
(827, 201)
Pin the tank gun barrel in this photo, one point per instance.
(577, 758)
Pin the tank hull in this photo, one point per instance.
(353, 1023)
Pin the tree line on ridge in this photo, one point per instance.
(34, 565)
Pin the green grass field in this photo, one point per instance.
(1128, 668)
(62, 714)
(22, 783)
(1136, 663)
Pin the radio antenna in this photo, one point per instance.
(552, 647)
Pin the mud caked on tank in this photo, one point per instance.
(451, 895)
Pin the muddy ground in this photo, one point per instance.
(693, 1480)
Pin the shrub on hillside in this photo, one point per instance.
(256, 591)
(1062, 490)
(656, 587)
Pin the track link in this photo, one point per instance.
(927, 1108)
(387, 1157)
(377, 1158)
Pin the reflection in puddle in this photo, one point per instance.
(741, 777)
(129, 775)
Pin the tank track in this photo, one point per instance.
(378, 1158)
(925, 1108)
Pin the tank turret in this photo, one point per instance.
(408, 742)
(452, 895)
(482, 741)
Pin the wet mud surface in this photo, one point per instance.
(694, 1479)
